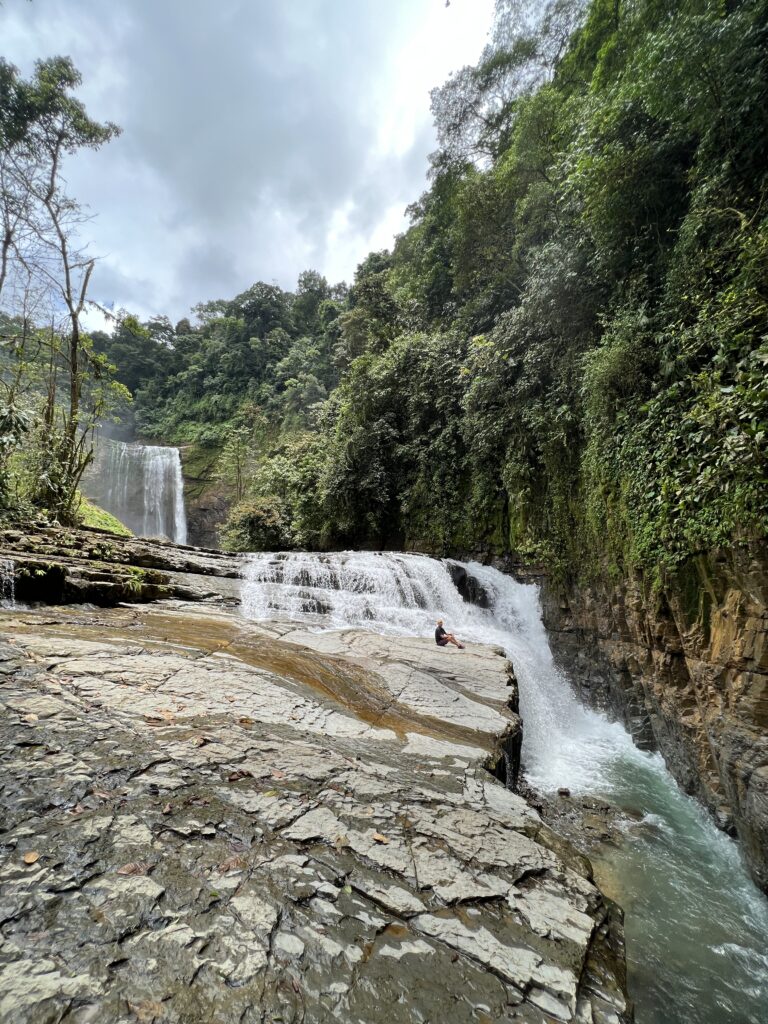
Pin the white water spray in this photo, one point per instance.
(142, 486)
(697, 927)
(564, 743)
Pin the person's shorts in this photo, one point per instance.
(442, 643)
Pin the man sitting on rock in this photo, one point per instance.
(442, 638)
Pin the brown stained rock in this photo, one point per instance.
(686, 670)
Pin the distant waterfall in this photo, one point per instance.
(142, 486)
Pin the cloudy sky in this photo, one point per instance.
(260, 137)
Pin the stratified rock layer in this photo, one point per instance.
(57, 565)
(686, 669)
(209, 821)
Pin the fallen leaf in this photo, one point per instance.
(277, 774)
(167, 809)
(199, 741)
(136, 867)
(348, 889)
(31, 718)
(296, 986)
(271, 792)
(341, 842)
(235, 863)
(31, 857)
(245, 720)
(103, 794)
(77, 809)
(240, 773)
(158, 719)
(147, 1011)
(379, 838)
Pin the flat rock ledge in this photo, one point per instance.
(59, 565)
(209, 822)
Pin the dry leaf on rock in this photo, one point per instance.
(235, 863)
(379, 838)
(31, 857)
(167, 809)
(157, 720)
(136, 867)
(147, 1012)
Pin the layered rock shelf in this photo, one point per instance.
(686, 670)
(52, 564)
(208, 820)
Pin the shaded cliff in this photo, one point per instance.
(206, 498)
(686, 670)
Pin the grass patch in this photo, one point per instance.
(95, 517)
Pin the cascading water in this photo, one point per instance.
(142, 486)
(697, 928)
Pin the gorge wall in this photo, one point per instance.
(686, 671)
(206, 498)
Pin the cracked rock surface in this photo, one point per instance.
(204, 820)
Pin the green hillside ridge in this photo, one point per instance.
(563, 357)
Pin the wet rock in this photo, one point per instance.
(470, 588)
(56, 565)
(237, 823)
(686, 670)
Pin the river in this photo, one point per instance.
(696, 925)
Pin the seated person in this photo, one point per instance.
(442, 638)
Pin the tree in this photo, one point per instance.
(41, 122)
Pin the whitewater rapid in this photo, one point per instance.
(697, 927)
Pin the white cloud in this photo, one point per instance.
(259, 138)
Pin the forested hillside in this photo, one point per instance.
(565, 354)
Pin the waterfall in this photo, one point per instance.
(142, 486)
(697, 928)
(7, 583)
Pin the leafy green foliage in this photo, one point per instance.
(596, 291)
(565, 353)
(259, 524)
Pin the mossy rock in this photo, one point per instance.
(96, 518)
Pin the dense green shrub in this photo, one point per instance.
(258, 524)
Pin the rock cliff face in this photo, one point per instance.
(687, 672)
(206, 498)
(210, 820)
